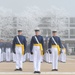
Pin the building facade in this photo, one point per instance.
(69, 32)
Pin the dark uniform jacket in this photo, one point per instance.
(33, 41)
(22, 40)
(51, 42)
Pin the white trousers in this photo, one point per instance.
(28, 56)
(54, 58)
(48, 57)
(24, 58)
(42, 58)
(31, 57)
(0, 55)
(19, 57)
(63, 56)
(36, 58)
(8, 54)
(14, 57)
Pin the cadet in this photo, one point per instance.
(1, 45)
(8, 51)
(19, 47)
(63, 54)
(36, 48)
(55, 45)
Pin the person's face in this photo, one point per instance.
(37, 33)
(19, 33)
(54, 34)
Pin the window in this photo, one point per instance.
(72, 32)
(72, 20)
(72, 25)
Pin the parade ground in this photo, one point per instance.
(68, 68)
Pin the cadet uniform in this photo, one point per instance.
(54, 44)
(36, 48)
(63, 54)
(1, 51)
(8, 51)
(19, 47)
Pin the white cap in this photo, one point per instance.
(37, 29)
(54, 30)
(19, 30)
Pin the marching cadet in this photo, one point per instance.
(55, 45)
(19, 47)
(63, 53)
(8, 51)
(1, 50)
(37, 49)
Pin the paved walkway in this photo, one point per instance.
(68, 68)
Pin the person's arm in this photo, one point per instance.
(31, 44)
(42, 42)
(25, 43)
(13, 45)
(43, 45)
(60, 44)
(49, 44)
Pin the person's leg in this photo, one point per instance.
(39, 60)
(35, 58)
(53, 60)
(20, 58)
(0, 54)
(64, 56)
(56, 59)
(17, 57)
(31, 57)
(14, 57)
(46, 57)
(25, 57)
(6, 54)
(50, 58)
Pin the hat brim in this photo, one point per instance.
(19, 30)
(37, 30)
(54, 31)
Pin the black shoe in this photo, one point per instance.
(56, 69)
(16, 70)
(35, 71)
(53, 70)
(20, 69)
(38, 72)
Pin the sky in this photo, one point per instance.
(18, 6)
